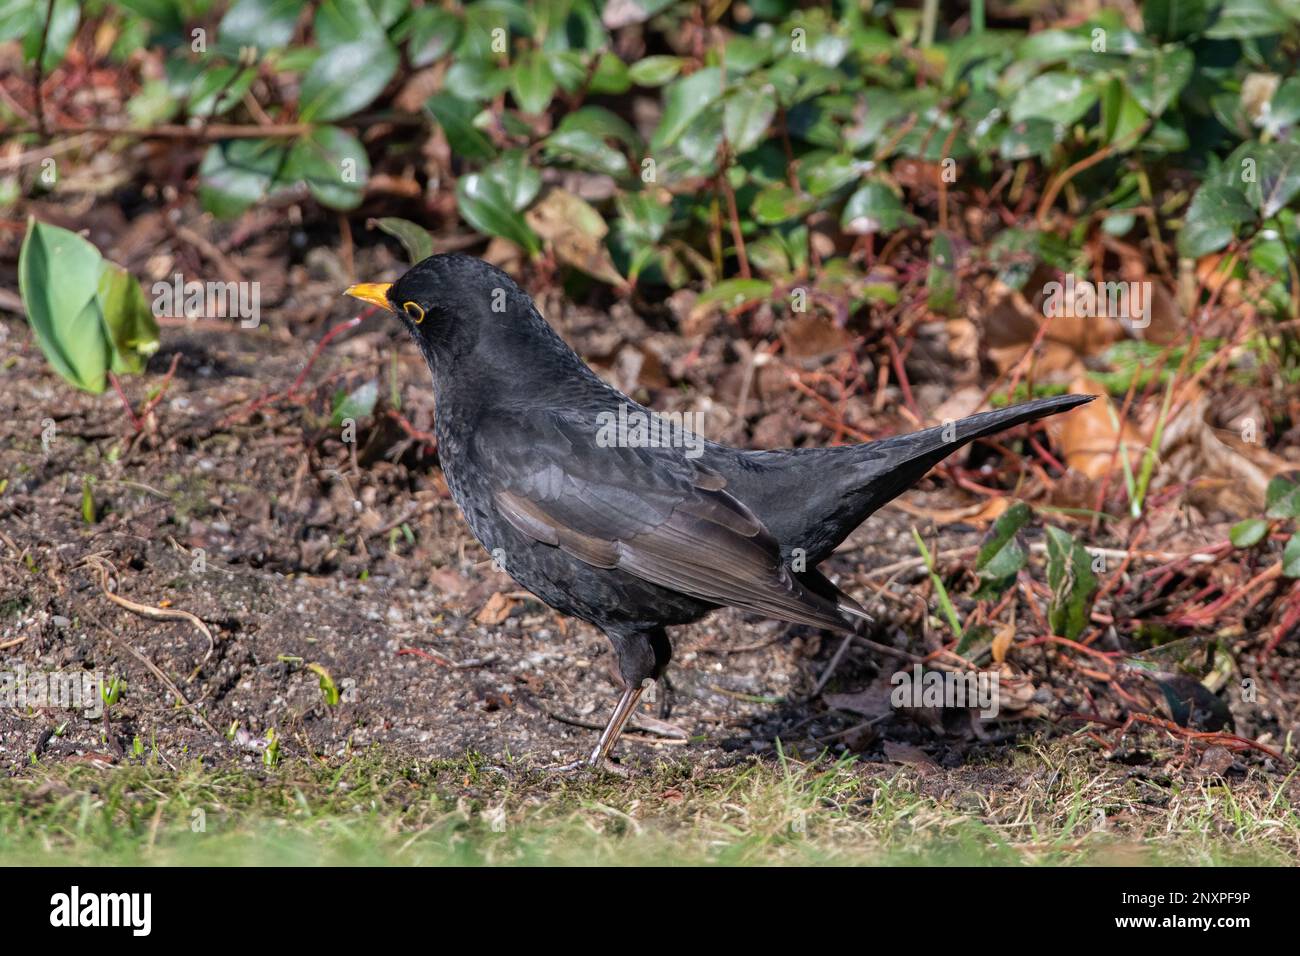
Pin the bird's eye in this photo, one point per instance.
(413, 310)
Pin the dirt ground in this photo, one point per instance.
(237, 502)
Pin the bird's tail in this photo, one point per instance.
(895, 464)
(812, 498)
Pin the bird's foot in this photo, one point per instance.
(578, 768)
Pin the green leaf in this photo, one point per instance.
(941, 591)
(532, 83)
(1284, 107)
(414, 238)
(487, 206)
(823, 174)
(1212, 219)
(88, 516)
(654, 70)
(611, 76)
(642, 219)
(219, 90)
(1034, 137)
(1241, 19)
(1001, 555)
(1121, 116)
(477, 80)
(434, 32)
(328, 689)
(1071, 579)
(1060, 98)
(456, 117)
(1156, 77)
(265, 24)
(128, 321)
(746, 116)
(58, 279)
(733, 294)
(346, 21)
(1291, 557)
(941, 280)
(702, 140)
(346, 78)
(684, 100)
(1282, 499)
(586, 149)
(359, 403)
(235, 174)
(875, 208)
(778, 203)
(1277, 176)
(1175, 19)
(333, 164)
(1248, 533)
(64, 17)
(518, 178)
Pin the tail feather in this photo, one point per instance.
(895, 464)
(812, 498)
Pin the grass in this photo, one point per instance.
(1040, 806)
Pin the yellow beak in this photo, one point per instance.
(375, 293)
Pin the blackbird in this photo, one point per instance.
(617, 516)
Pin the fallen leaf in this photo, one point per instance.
(576, 232)
(810, 336)
(1002, 643)
(496, 610)
(910, 756)
(1086, 437)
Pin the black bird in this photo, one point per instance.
(605, 523)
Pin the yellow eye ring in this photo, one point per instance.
(414, 312)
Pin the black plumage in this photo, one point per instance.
(626, 537)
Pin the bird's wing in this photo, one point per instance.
(648, 511)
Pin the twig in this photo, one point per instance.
(175, 131)
(38, 72)
(126, 403)
(166, 681)
(153, 613)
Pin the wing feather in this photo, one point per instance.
(647, 511)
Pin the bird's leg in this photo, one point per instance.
(626, 704)
(666, 697)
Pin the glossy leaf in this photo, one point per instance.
(346, 78)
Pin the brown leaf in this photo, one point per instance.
(1086, 437)
(1002, 642)
(576, 231)
(911, 756)
(811, 336)
(496, 610)
(871, 702)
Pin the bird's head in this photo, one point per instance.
(454, 305)
(442, 294)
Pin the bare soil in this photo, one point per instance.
(239, 503)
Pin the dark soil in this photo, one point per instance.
(352, 556)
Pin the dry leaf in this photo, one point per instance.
(1002, 642)
(911, 756)
(496, 610)
(576, 232)
(810, 336)
(1086, 437)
